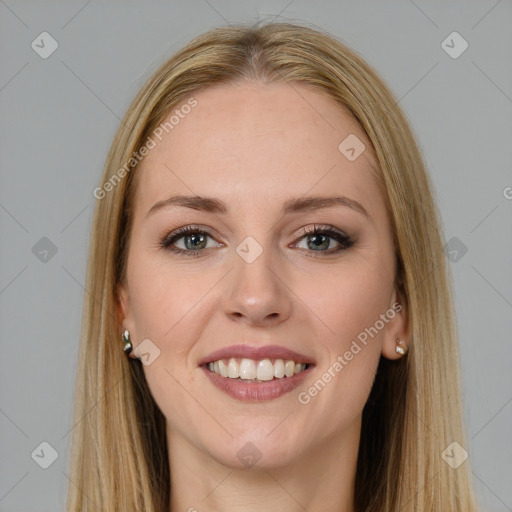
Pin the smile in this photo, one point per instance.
(253, 373)
(251, 380)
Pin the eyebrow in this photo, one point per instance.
(301, 204)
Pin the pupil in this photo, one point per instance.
(321, 243)
(194, 238)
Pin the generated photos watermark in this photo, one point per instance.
(151, 142)
(305, 397)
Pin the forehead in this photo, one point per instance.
(269, 142)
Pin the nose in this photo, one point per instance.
(257, 292)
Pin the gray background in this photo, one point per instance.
(58, 117)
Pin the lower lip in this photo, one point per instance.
(256, 391)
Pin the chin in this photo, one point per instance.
(257, 449)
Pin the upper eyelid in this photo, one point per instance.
(190, 229)
(184, 231)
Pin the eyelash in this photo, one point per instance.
(343, 239)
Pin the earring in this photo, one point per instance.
(399, 349)
(128, 347)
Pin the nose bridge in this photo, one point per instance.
(256, 290)
(255, 265)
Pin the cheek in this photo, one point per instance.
(349, 305)
(167, 307)
(165, 299)
(349, 300)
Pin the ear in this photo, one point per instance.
(124, 311)
(397, 327)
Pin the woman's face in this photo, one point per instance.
(248, 274)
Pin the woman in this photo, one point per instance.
(266, 250)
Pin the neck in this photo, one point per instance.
(321, 478)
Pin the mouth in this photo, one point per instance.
(256, 374)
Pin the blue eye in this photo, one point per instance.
(318, 240)
(194, 240)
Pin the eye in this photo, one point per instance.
(193, 239)
(319, 238)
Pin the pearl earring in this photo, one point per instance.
(399, 349)
(128, 347)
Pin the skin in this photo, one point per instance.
(254, 146)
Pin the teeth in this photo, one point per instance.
(249, 369)
(233, 369)
(289, 368)
(223, 368)
(265, 370)
(279, 369)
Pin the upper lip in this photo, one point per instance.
(256, 353)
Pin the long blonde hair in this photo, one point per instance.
(119, 455)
